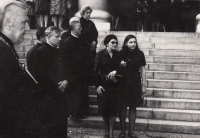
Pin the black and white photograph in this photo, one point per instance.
(99, 68)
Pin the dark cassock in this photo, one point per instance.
(89, 34)
(17, 93)
(30, 59)
(52, 103)
(64, 36)
(73, 62)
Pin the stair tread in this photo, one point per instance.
(149, 121)
(160, 109)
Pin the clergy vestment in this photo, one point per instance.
(73, 62)
(17, 93)
(53, 103)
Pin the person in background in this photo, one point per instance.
(42, 8)
(30, 59)
(133, 71)
(106, 66)
(58, 12)
(17, 89)
(73, 62)
(68, 33)
(52, 83)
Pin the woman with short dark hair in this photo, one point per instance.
(133, 82)
(106, 66)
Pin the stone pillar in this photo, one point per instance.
(100, 15)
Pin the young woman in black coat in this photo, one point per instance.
(133, 82)
(107, 63)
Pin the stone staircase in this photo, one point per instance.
(173, 80)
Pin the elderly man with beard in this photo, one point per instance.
(52, 84)
(16, 86)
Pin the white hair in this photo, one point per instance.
(3, 8)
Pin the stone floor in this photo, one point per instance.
(98, 133)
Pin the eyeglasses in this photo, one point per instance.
(114, 43)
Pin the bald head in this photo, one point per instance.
(13, 19)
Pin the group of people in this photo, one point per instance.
(120, 82)
(61, 66)
(57, 9)
(146, 15)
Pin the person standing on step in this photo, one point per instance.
(58, 10)
(73, 62)
(133, 82)
(66, 34)
(106, 67)
(89, 35)
(17, 90)
(42, 8)
(53, 84)
(30, 59)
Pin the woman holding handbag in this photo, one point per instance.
(133, 82)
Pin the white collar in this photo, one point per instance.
(74, 35)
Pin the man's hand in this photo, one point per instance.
(100, 90)
(123, 64)
(62, 85)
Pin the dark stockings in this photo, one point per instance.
(131, 117)
(109, 124)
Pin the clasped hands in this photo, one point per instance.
(62, 85)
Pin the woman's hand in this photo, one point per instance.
(143, 88)
(100, 90)
(123, 64)
(112, 74)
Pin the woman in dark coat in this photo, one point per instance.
(89, 35)
(106, 66)
(133, 82)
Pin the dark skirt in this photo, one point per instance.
(108, 103)
(42, 6)
(130, 95)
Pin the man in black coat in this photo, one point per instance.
(16, 93)
(73, 62)
(52, 84)
(30, 59)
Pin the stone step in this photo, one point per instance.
(143, 125)
(178, 46)
(175, 40)
(21, 48)
(23, 61)
(174, 53)
(152, 102)
(160, 114)
(173, 84)
(181, 35)
(173, 67)
(172, 60)
(22, 55)
(162, 75)
(163, 93)
(26, 42)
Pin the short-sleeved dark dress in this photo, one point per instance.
(131, 92)
(104, 64)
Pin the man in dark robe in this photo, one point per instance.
(16, 86)
(73, 62)
(66, 34)
(52, 84)
(40, 34)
